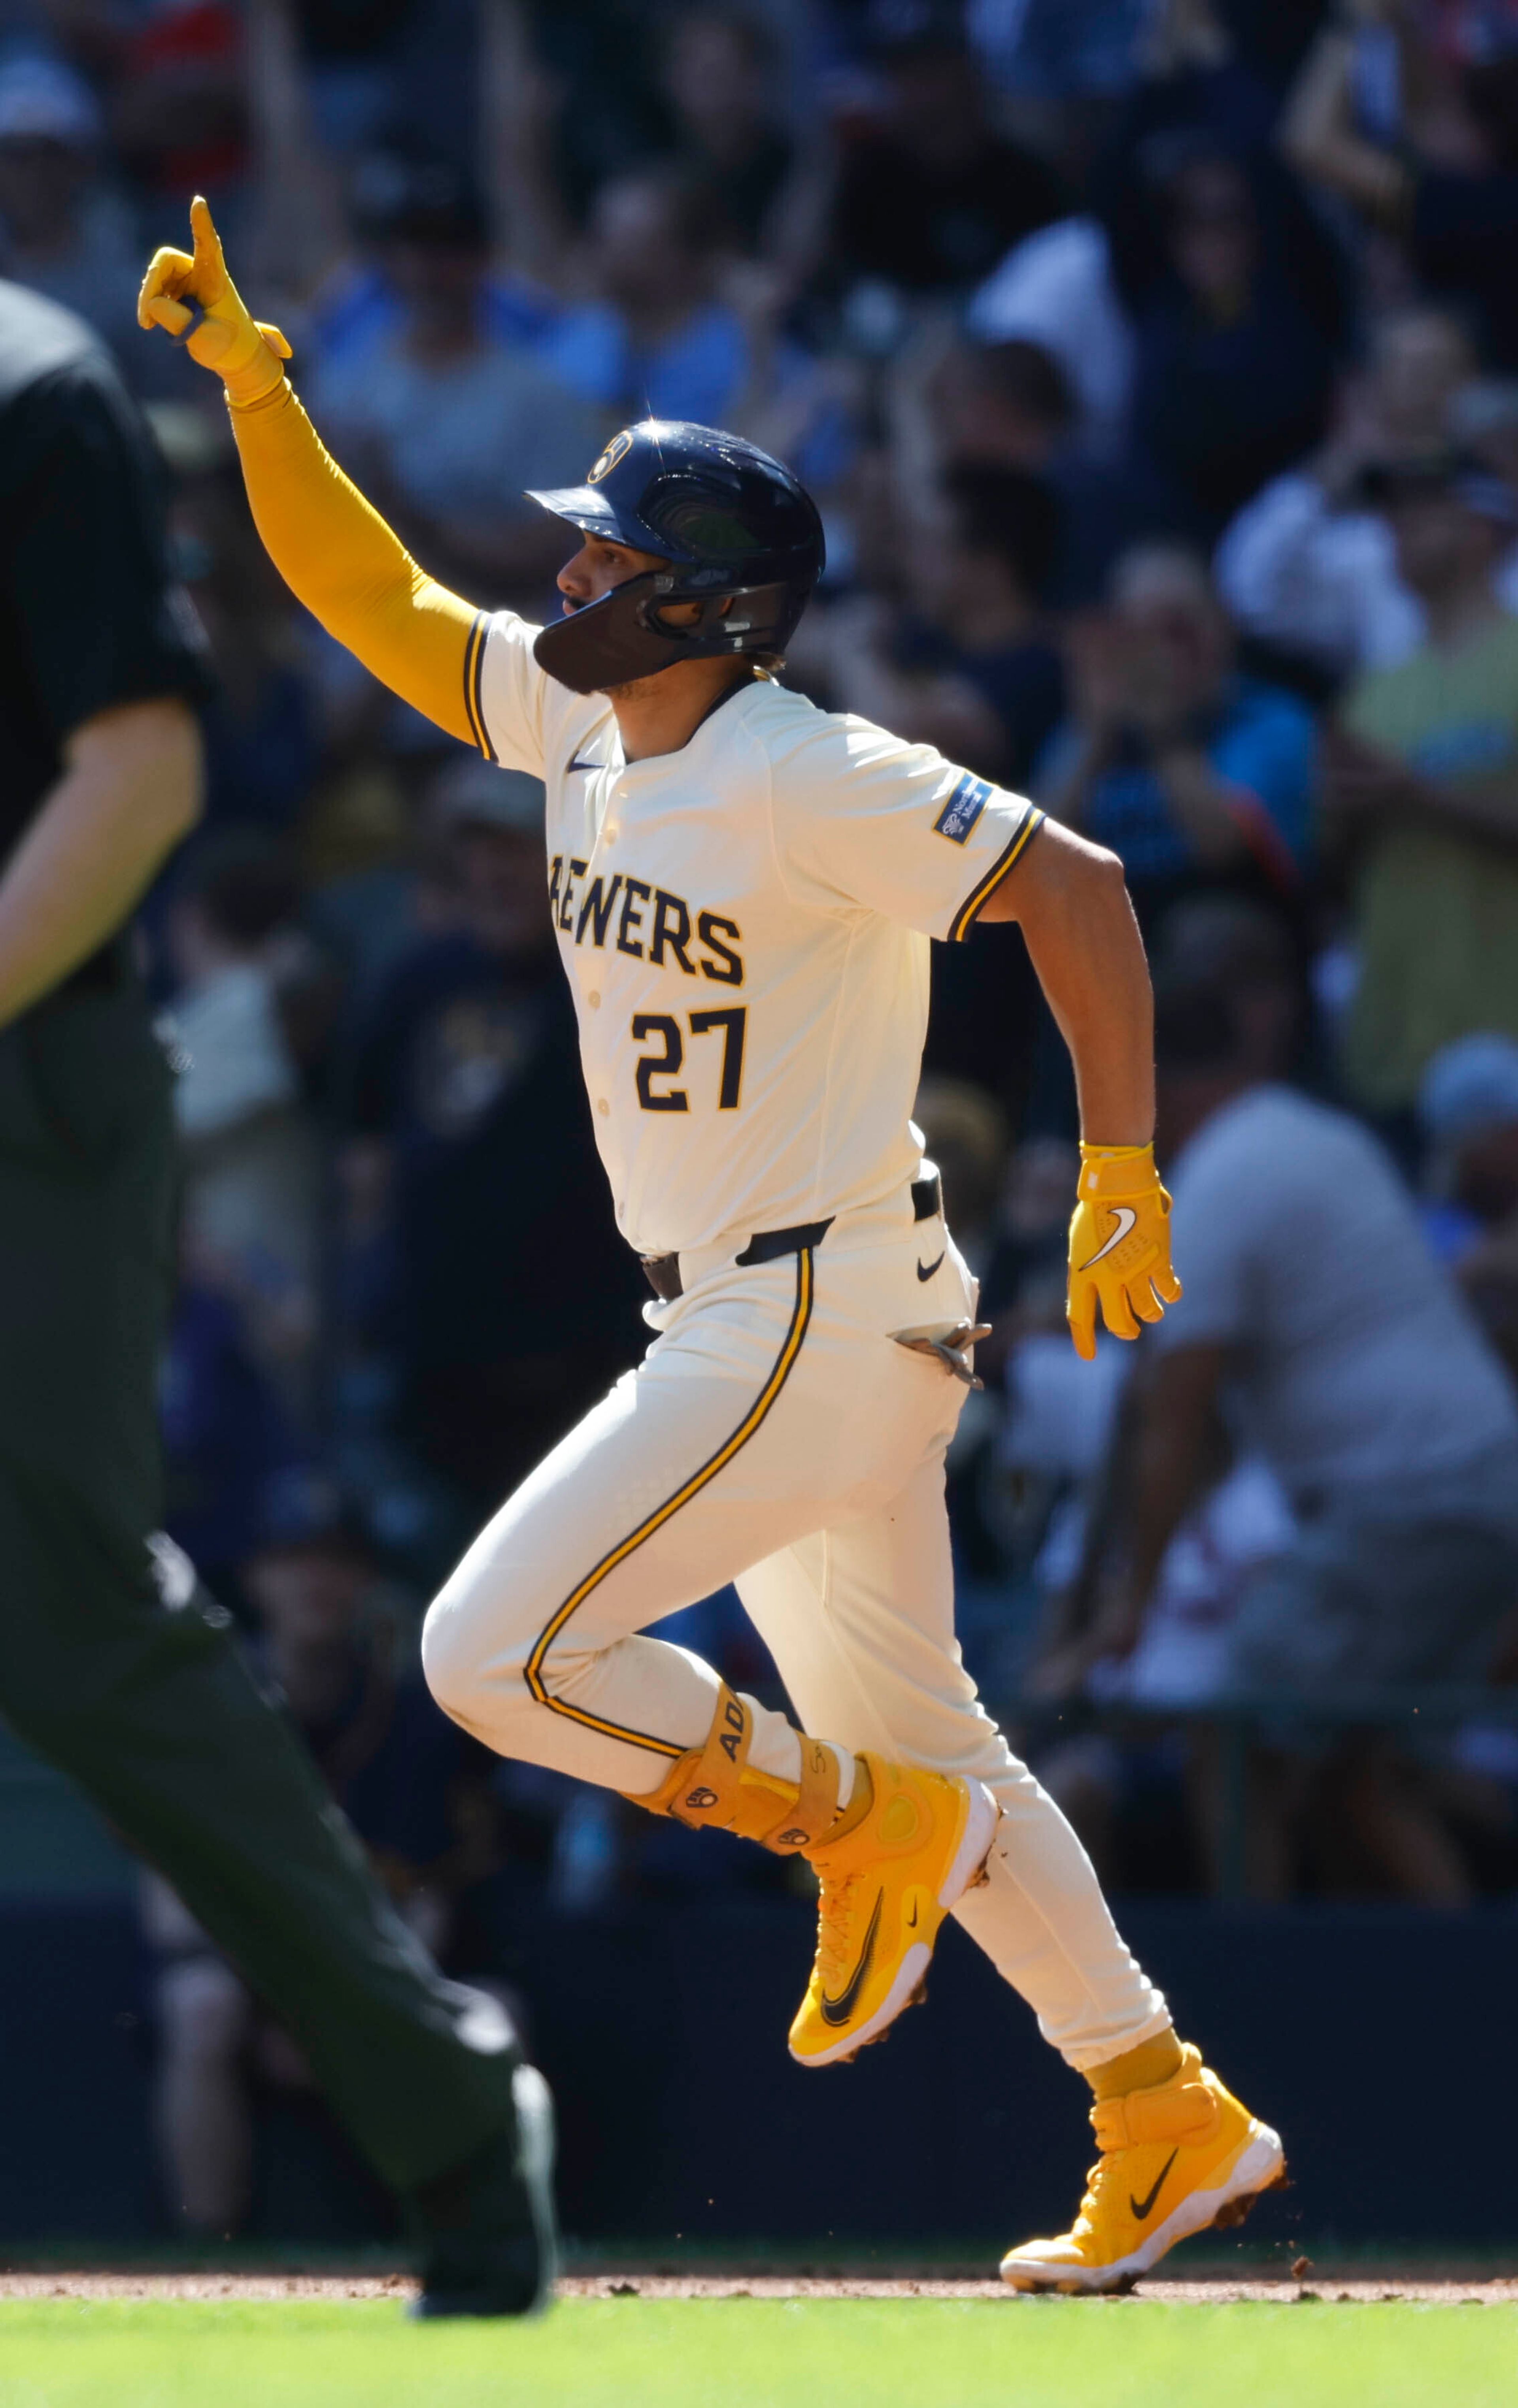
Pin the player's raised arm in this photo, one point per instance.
(1071, 901)
(333, 549)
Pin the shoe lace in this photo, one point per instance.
(834, 1923)
(1097, 2177)
(1091, 2197)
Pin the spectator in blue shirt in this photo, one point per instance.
(1195, 775)
(662, 334)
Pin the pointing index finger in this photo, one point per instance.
(208, 241)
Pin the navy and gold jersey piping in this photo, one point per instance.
(965, 918)
(474, 669)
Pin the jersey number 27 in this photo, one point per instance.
(734, 1023)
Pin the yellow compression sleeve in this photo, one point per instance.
(352, 571)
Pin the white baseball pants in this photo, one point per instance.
(777, 1437)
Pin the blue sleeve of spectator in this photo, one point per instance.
(1270, 746)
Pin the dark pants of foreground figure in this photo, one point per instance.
(116, 1666)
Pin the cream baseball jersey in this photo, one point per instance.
(746, 925)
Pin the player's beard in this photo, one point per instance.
(632, 689)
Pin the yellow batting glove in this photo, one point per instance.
(195, 301)
(1120, 1245)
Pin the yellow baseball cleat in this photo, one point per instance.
(1176, 2159)
(886, 1885)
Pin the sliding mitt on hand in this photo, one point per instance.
(1120, 1245)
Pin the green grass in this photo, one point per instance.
(758, 2353)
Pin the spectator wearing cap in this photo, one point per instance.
(64, 231)
(1196, 775)
(502, 1294)
(1423, 779)
(441, 417)
(1467, 1109)
(1320, 1328)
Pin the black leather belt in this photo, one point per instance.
(663, 1271)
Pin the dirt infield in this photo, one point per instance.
(1308, 2290)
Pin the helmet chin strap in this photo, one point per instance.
(621, 637)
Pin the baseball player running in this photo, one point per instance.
(744, 888)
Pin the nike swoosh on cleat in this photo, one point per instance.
(926, 1270)
(578, 764)
(1141, 2208)
(912, 1918)
(837, 2011)
(1125, 1217)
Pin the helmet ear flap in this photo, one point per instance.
(620, 637)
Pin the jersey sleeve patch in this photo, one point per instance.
(962, 809)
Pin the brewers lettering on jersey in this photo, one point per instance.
(744, 889)
(744, 927)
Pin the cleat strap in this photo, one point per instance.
(815, 1809)
(714, 1787)
(1185, 2111)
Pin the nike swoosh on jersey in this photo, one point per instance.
(1125, 1217)
(837, 2011)
(578, 764)
(926, 1270)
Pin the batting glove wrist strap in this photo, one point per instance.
(1116, 1170)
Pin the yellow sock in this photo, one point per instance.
(1138, 2069)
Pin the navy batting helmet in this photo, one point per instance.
(740, 537)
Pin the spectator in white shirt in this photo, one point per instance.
(1304, 564)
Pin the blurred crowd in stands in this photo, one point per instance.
(1155, 365)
